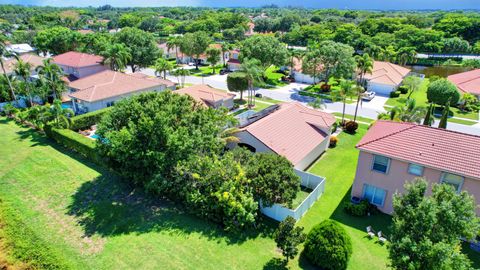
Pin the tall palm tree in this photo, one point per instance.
(406, 55)
(181, 73)
(254, 75)
(51, 75)
(5, 53)
(116, 56)
(295, 54)
(346, 90)
(364, 66)
(162, 66)
(173, 42)
(22, 70)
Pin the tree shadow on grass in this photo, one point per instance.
(109, 206)
(275, 264)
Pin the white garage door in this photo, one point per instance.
(381, 89)
(303, 78)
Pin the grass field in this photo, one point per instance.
(99, 221)
(205, 71)
(273, 78)
(350, 117)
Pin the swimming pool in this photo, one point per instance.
(94, 136)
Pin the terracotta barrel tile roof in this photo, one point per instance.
(441, 149)
(292, 131)
(33, 59)
(387, 73)
(205, 94)
(77, 59)
(468, 82)
(107, 84)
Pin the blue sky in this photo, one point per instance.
(350, 4)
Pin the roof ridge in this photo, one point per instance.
(393, 66)
(409, 126)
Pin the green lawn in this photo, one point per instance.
(302, 194)
(350, 117)
(273, 77)
(421, 99)
(205, 71)
(98, 221)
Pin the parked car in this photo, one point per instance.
(224, 71)
(368, 95)
(258, 95)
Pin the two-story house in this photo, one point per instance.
(78, 65)
(392, 153)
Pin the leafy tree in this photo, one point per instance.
(442, 90)
(147, 135)
(57, 40)
(345, 91)
(412, 83)
(273, 179)
(288, 237)
(4, 53)
(426, 230)
(445, 113)
(213, 56)
(406, 55)
(328, 246)
(129, 20)
(266, 49)
(429, 120)
(311, 63)
(173, 42)
(61, 116)
(455, 45)
(237, 82)
(337, 60)
(50, 74)
(116, 56)
(162, 66)
(194, 44)
(410, 112)
(141, 45)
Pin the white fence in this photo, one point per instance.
(314, 182)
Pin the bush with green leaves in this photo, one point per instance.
(328, 246)
(403, 89)
(361, 209)
(351, 127)
(441, 90)
(84, 121)
(288, 237)
(394, 94)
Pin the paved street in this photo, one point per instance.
(369, 109)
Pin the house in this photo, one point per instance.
(103, 89)
(78, 65)
(299, 76)
(385, 77)
(467, 82)
(233, 62)
(85, 31)
(250, 31)
(20, 49)
(298, 133)
(209, 96)
(392, 153)
(168, 52)
(33, 59)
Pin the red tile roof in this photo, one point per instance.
(107, 84)
(387, 73)
(468, 82)
(33, 59)
(77, 59)
(292, 131)
(205, 94)
(436, 148)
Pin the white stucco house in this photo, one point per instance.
(298, 133)
(103, 89)
(385, 77)
(209, 96)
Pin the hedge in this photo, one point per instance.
(24, 245)
(87, 120)
(74, 141)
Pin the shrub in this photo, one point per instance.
(442, 90)
(403, 89)
(24, 245)
(394, 94)
(333, 141)
(87, 120)
(358, 210)
(328, 246)
(351, 127)
(74, 141)
(334, 127)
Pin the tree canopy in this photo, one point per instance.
(141, 45)
(267, 49)
(442, 90)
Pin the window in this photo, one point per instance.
(110, 103)
(452, 179)
(380, 164)
(415, 169)
(374, 194)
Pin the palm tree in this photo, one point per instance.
(317, 103)
(60, 115)
(4, 53)
(254, 75)
(173, 42)
(22, 70)
(346, 90)
(162, 66)
(181, 73)
(295, 54)
(407, 113)
(406, 55)
(51, 75)
(116, 56)
(364, 66)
